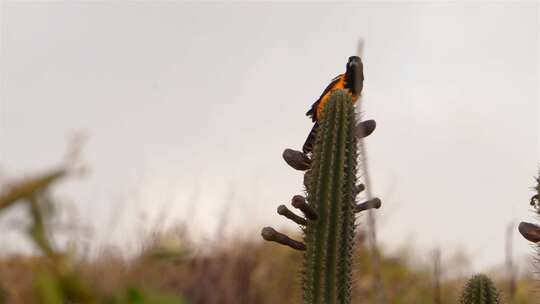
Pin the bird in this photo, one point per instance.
(352, 81)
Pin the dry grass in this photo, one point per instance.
(244, 272)
(231, 271)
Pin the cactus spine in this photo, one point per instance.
(480, 290)
(331, 194)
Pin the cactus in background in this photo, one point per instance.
(480, 290)
(530, 231)
(330, 206)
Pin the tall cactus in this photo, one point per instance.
(480, 290)
(331, 194)
(330, 210)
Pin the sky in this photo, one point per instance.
(187, 108)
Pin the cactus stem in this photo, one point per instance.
(299, 202)
(283, 210)
(307, 179)
(372, 203)
(365, 128)
(530, 232)
(271, 235)
(297, 160)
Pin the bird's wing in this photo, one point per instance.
(313, 111)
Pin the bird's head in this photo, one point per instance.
(354, 75)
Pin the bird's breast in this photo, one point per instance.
(339, 85)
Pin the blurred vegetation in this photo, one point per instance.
(170, 269)
(52, 276)
(246, 272)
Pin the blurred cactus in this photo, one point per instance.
(480, 290)
(330, 207)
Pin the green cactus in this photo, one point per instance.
(531, 231)
(330, 210)
(480, 290)
(331, 193)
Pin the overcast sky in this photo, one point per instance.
(189, 106)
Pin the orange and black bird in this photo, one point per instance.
(352, 81)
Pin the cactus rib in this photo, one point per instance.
(480, 290)
(331, 194)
